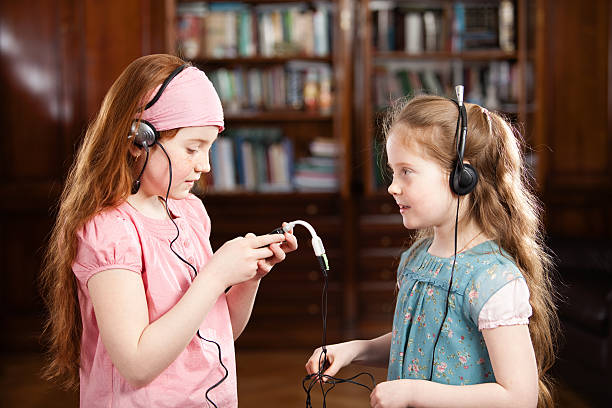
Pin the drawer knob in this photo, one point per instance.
(312, 209)
(313, 309)
(386, 274)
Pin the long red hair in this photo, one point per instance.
(100, 177)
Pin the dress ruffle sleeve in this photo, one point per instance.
(507, 307)
(108, 241)
(491, 278)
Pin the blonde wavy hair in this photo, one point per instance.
(100, 177)
(503, 204)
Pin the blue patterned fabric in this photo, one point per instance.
(461, 354)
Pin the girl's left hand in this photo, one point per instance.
(280, 250)
(391, 394)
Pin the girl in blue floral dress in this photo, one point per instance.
(488, 341)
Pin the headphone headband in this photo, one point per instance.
(163, 86)
(463, 177)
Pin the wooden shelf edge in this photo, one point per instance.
(302, 195)
(261, 60)
(251, 1)
(475, 55)
(279, 116)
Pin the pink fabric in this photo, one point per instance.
(507, 307)
(124, 238)
(189, 100)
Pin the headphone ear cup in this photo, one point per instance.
(144, 133)
(463, 181)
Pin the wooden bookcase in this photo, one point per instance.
(288, 305)
(444, 58)
(359, 224)
(382, 236)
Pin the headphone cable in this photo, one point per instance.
(311, 380)
(165, 200)
(450, 285)
(136, 183)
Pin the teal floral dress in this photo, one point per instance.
(461, 354)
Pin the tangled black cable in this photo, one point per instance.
(311, 380)
(195, 273)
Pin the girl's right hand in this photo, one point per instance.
(236, 261)
(338, 356)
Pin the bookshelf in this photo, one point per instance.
(281, 66)
(283, 72)
(362, 231)
(406, 47)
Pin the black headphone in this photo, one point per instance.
(143, 133)
(463, 177)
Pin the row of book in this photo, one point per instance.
(319, 170)
(297, 85)
(494, 84)
(230, 30)
(262, 160)
(434, 26)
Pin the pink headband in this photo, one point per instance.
(189, 100)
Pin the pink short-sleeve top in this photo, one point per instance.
(123, 238)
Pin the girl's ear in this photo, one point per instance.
(135, 150)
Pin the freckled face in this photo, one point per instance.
(420, 186)
(188, 151)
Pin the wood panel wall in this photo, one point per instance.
(58, 59)
(574, 52)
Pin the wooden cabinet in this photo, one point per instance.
(288, 306)
(359, 223)
(409, 47)
(287, 311)
(382, 238)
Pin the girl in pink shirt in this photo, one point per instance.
(140, 314)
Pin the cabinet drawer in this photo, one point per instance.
(291, 317)
(282, 206)
(375, 310)
(327, 228)
(299, 302)
(378, 268)
(383, 236)
(264, 332)
(302, 267)
(376, 304)
(379, 205)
